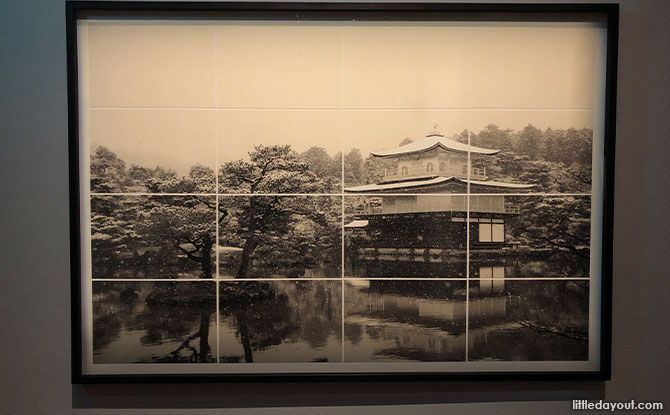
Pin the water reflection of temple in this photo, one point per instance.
(421, 210)
(425, 320)
(414, 320)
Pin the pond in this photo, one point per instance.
(301, 321)
(426, 320)
(405, 320)
(163, 322)
(131, 326)
(528, 320)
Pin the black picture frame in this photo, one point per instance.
(294, 11)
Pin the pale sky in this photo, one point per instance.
(170, 91)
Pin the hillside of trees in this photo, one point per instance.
(282, 170)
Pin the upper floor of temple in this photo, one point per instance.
(435, 164)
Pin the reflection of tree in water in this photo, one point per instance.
(560, 309)
(165, 324)
(545, 320)
(557, 307)
(318, 315)
(374, 333)
(107, 321)
(166, 313)
(113, 310)
(269, 314)
(257, 310)
(174, 310)
(178, 316)
(353, 333)
(262, 325)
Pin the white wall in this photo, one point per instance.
(34, 278)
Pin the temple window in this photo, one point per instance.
(403, 171)
(429, 167)
(491, 232)
(442, 167)
(498, 232)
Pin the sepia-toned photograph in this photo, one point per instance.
(340, 196)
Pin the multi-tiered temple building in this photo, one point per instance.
(421, 204)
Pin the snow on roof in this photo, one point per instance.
(432, 141)
(397, 185)
(500, 184)
(431, 182)
(357, 224)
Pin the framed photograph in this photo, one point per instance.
(341, 191)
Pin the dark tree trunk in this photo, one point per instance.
(204, 336)
(244, 337)
(248, 249)
(206, 262)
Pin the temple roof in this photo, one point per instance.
(357, 224)
(432, 141)
(405, 184)
(494, 183)
(397, 185)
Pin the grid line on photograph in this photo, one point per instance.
(280, 279)
(346, 278)
(339, 194)
(467, 197)
(124, 108)
(170, 280)
(349, 109)
(342, 270)
(216, 188)
(531, 278)
(215, 194)
(155, 279)
(464, 279)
